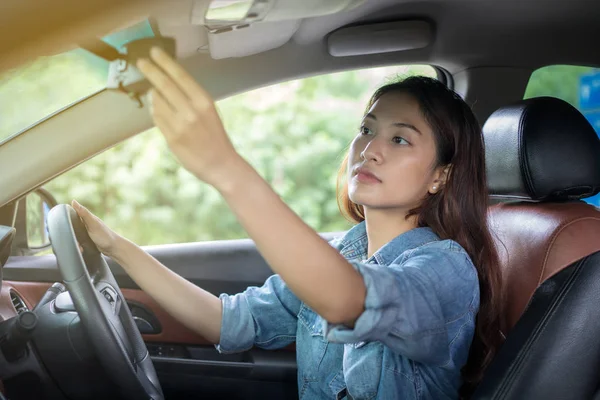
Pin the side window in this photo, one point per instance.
(579, 86)
(295, 134)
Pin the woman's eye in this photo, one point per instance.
(399, 140)
(365, 131)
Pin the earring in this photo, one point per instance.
(434, 188)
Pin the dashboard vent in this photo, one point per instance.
(18, 302)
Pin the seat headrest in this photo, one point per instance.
(541, 149)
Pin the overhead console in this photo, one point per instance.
(380, 38)
(239, 28)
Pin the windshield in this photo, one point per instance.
(49, 84)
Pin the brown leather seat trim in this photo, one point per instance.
(535, 241)
(567, 247)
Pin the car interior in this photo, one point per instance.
(78, 327)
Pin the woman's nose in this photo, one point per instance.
(372, 151)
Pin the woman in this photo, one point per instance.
(387, 311)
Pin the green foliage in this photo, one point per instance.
(561, 81)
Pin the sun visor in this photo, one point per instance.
(380, 38)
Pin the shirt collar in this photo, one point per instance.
(355, 243)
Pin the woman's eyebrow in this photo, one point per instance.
(405, 125)
(397, 124)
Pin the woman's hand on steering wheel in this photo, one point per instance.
(104, 237)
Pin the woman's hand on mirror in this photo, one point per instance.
(188, 119)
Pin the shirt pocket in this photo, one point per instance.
(312, 346)
(311, 321)
(363, 364)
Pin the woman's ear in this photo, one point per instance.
(440, 178)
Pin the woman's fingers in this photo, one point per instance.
(184, 81)
(176, 96)
(85, 214)
(162, 114)
(166, 86)
(159, 105)
(81, 210)
(89, 219)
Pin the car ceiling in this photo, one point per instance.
(468, 33)
(489, 46)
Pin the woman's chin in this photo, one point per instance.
(365, 198)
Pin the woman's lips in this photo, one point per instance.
(365, 176)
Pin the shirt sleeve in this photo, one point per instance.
(265, 317)
(408, 305)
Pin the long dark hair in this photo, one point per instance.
(459, 210)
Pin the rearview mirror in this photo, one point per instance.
(124, 76)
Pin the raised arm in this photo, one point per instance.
(189, 121)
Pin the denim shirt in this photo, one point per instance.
(410, 342)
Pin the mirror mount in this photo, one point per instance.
(123, 75)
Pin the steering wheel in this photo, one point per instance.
(101, 306)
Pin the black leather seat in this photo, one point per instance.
(543, 157)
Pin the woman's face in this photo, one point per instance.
(392, 160)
